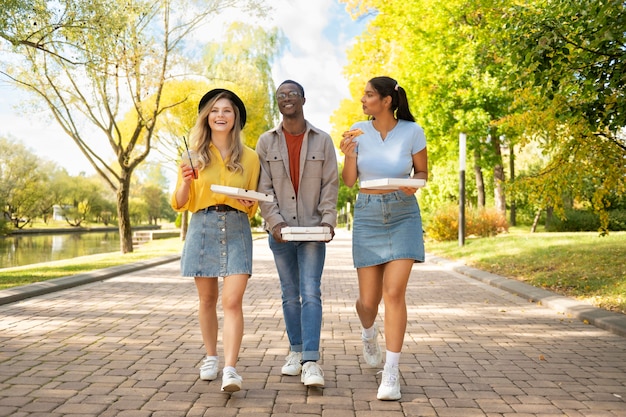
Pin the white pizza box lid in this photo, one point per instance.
(307, 236)
(393, 183)
(241, 193)
(303, 230)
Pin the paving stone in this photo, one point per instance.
(130, 346)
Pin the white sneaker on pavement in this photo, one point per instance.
(371, 350)
(231, 381)
(389, 388)
(292, 364)
(208, 369)
(312, 375)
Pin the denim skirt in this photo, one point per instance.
(386, 227)
(218, 244)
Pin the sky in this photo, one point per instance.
(319, 34)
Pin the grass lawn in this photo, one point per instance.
(584, 266)
(28, 274)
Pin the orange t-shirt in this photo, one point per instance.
(294, 145)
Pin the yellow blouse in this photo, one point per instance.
(200, 194)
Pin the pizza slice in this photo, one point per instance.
(351, 134)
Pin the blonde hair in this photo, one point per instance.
(201, 136)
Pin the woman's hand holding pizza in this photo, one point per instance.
(348, 144)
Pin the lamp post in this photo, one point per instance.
(462, 157)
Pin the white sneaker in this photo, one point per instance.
(371, 350)
(231, 381)
(208, 369)
(389, 388)
(312, 375)
(292, 365)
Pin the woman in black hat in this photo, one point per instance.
(219, 240)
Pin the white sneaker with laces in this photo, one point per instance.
(231, 381)
(312, 375)
(208, 369)
(292, 364)
(371, 350)
(389, 388)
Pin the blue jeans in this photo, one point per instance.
(300, 266)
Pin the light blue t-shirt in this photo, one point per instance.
(389, 158)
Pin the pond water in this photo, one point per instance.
(20, 250)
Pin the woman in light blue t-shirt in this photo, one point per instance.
(387, 237)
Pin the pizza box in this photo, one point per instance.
(323, 237)
(393, 183)
(300, 230)
(241, 193)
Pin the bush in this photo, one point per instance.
(444, 225)
(617, 220)
(574, 221)
(485, 222)
(586, 221)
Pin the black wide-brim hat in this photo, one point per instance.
(229, 94)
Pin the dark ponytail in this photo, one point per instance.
(387, 86)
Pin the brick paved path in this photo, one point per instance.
(130, 346)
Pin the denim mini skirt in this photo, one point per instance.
(386, 227)
(218, 244)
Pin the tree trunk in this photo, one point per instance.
(513, 213)
(123, 214)
(533, 229)
(498, 176)
(480, 181)
(549, 214)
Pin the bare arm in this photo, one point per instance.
(420, 165)
(420, 168)
(348, 147)
(182, 192)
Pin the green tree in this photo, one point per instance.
(21, 183)
(153, 197)
(151, 188)
(439, 52)
(83, 200)
(513, 76)
(53, 190)
(572, 56)
(138, 210)
(89, 62)
(30, 187)
(575, 49)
